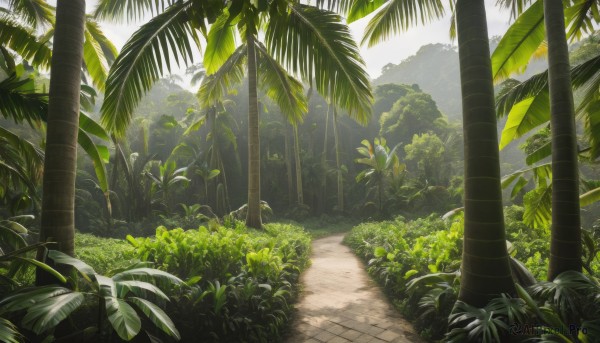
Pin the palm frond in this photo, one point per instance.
(339, 6)
(20, 104)
(215, 86)
(582, 18)
(520, 91)
(396, 16)
(281, 87)
(129, 10)
(362, 8)
(589, 197)
(519, 43)
(220, 43)
(516, 6)
(35, 13)
(24, 42)
(538, 204)
(317, 45)
(142, 61)
(525, 116)
(97, 52)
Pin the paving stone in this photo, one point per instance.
(340, 303)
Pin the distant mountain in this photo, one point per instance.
(435, 69)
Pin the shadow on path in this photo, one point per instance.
(340, 303)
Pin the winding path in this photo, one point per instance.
(340, 303)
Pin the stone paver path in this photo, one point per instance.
(340, 303)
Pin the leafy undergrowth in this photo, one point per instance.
(417, 262)
(103, 254)
(323, 226)
(242, 280)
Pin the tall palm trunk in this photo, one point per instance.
(58, 200)
(565, 243)
(288, 164)
(253, 216)
(340, 179)
(323, 198)
(299, 193)
(485, 262)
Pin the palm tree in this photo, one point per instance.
(485, 264)
(485, 270)
(565, 243)
(63, 123)
(308, 41)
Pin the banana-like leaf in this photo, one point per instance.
(217, 85)
(363, 8)
(147, 275)
(62, 258)
(157, 316)
(123, 318)
(396, 16)
(142, 61)
(10, 238)
(90, 126)
(539, 154)
(220, 43)
(25, 43)
(46, 314)
(519, 43)
(139, 288)
(589, 197)
(281, 87)
(9, 332)
(538, 204)
(99, 155)
(44, 267)
(28, 297)
(525, 116)
(317, 45)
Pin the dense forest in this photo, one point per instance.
(136, 205)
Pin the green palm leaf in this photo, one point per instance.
(516, 6)
(62, 258)
(539, 154)
(525, 116)
(519, 43)
(20, 104)
(396, 16)
(9, 332)
(97, 52)
(317, 45)
(281, 87)
(28, 297)
(538, 204)
(99, 155)
(589, 197)
(24, 42)
(582, 17)
(220, 43)
(521, 91)
(142, 62)
(362, 8)
(92, 127)
(34, 12)
(157, 316)
(138, 288)
(215, 86)
(130, 10)
(49, 312)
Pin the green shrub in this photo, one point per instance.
(103, 254)
(242, 279)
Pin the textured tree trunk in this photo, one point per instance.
(288, 165)
(565, 243)
(298, 163)
(340, 177)
(485, 262)
(58, 200)
(253, 218)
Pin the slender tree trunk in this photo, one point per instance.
(288, 165)
(253, 218)
(565, 243)
(323, 197)
(58, 200)
(485, 262)
(340, 177)
(299, 193)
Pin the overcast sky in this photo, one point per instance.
(393, 51)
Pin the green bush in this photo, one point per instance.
(242, 279)
(103, 254)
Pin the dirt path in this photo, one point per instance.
(340, 303)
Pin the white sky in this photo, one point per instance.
(393, 51)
